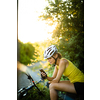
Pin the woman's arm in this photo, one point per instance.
(54, 74)
(62, 67)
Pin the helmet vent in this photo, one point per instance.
(48, 48)
(48, 51)
(52, 52)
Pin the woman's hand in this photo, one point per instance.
(54, 81)
(43, 75)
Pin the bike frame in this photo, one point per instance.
(23, 91)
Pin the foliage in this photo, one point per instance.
(27, 53)
(40, 48)
(69, 32)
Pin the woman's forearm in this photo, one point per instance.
(50, 78)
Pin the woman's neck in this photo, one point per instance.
(58, 61)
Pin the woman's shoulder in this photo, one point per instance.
(64, 60)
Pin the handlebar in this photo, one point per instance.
(23, 91)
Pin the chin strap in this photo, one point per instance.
(55, 60)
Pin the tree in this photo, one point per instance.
(26, 53)
(69, 32)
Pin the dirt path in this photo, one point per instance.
(22, 80)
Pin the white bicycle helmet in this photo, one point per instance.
(50, 51)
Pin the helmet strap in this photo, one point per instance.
(55, 60)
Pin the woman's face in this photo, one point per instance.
(51, 60)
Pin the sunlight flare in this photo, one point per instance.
(21, 67)
(30, 28)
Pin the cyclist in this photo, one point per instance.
(63, 66)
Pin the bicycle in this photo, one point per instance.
(24, 91)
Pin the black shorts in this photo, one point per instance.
(79, 87)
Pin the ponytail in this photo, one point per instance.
(59, 55)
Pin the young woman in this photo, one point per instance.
(63, 66)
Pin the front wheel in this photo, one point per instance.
(21, 93)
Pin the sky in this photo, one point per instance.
(29, 28)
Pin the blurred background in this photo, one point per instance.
(42, 23)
